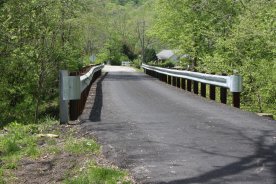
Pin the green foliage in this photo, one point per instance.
(19, 141)
(164, 64)
(2, 176)
(100, 175)
(128, 52)
(222, 36)
(150, 55)
(136, 63)
(38, 40)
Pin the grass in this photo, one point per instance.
(81, 146)
(18, 141)
(1, 176)
(100, 175)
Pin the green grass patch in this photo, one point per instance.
(1, 176)
(19, 140)
(100, 175)
(81, 146)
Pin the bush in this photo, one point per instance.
(116, 62)
(167, 64)
(136, 63)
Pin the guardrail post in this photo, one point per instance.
(169, 80)
(74, 104)
(63, 104)
(189, 85)
(236, 99)
(195, 87)
(223, 95)
(178, 82)
(183, 84)
(203, 89)
(174, 81)
(212, 92)
(236, 88)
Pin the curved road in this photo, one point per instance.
(166, 135)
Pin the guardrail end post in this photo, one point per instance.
(63, 104)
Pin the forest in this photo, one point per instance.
(40, 37)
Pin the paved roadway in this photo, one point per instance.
(166, 135)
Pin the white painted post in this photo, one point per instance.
(63, 104)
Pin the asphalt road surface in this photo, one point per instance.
(162, 134)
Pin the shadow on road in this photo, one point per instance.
(262, 161)
(96, 110)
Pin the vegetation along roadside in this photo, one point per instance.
(52, 153)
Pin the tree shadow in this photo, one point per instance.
(262, 160)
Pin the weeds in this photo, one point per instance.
(81, 146)
(100, 175)
(22, 141)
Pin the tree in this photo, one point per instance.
(223, 36)
(37, 42)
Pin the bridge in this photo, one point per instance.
(164, 134)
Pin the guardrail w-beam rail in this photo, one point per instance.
(190, 81)
(74, 92)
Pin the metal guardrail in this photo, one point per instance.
(125, 63)
(171, 76)
(86, 78)
(233, 82)
(75, 89)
